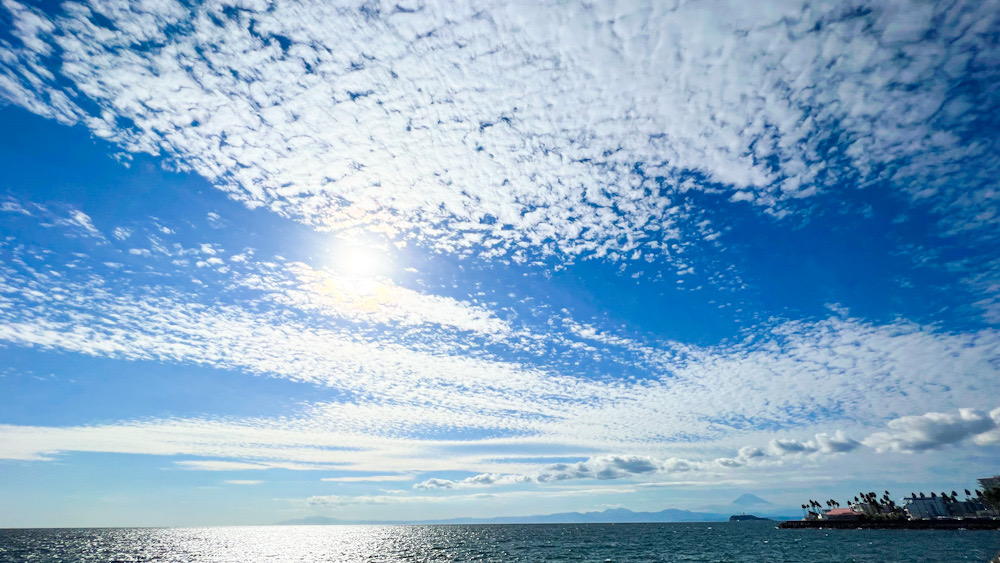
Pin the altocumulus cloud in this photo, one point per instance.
(406, 122)
(516, 132)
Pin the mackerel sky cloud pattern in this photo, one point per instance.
(410, 255)
(459, 126)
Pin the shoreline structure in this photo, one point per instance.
(939, 524)
(978, 511)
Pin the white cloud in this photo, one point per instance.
(403, 124)
(415, 385)
(601, 468)
(369, 299)
(82, 221)
(339, 500)
(209, 249)
(368, 479)
(395, 386)
(481, 480)
(991, 436)
(608, 467)
(216, 221)
(935, 430)
(243, 482)
(783, 446)
(342, 500)
(746, 454)
(227, 465)
(13, 206)
(73, 222)
(461, 126)
(839, 442)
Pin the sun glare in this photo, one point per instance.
(361, 260)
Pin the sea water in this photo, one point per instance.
(722, 541)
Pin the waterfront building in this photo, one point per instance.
(840, 514)
(921, 507)
(981, 505)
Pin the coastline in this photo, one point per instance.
(965, 524)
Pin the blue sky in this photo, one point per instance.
(421, 260)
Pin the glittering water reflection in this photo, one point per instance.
(742, 542)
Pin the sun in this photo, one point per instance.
(360, 260)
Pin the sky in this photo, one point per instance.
(410, 260)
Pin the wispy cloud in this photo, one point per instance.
(343, 500)
(72, 222)
(420, 384)
(368, 478)
(401, 389)
(228, 465)
(371, 299)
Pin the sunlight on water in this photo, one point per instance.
(744, 542)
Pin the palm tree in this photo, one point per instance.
(894, 511)
(991, 498)
(947, 500)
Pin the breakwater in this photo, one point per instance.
(964, 524)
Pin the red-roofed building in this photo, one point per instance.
(840, 514)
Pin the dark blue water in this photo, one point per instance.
(745, 541)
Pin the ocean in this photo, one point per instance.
(716, 542)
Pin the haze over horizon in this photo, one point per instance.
(423, 260)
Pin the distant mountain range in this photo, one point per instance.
(609, 516)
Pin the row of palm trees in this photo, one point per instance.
(883, 507)
(953, 497)
(868, 503)
(808, 508)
